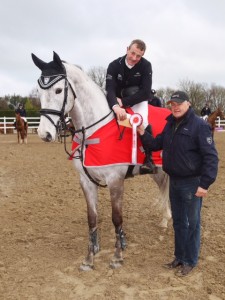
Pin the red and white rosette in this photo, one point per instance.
(135, 120)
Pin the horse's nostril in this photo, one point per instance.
(49, 136)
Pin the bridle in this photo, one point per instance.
(61, 123)
(60, 113)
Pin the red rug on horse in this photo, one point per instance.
(112, 143)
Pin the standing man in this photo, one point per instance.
(128, 84)
(191, 161)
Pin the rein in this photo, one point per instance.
(81, 157)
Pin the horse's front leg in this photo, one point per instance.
(91, 195)
(116, 193)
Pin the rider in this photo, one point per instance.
(206, 111)
(154, 100)
(22, 111)
(128, 84)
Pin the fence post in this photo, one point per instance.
(4, 122)
(218, 122)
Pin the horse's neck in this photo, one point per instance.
(91, 105)
(19, 120)
(213, 116)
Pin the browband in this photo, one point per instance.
(45, 82)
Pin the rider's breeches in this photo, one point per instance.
(25, 120)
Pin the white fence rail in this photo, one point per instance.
(220, 124)
(7, 124)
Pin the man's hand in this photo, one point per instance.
(141, 129)
(120, 112)
(201, 192)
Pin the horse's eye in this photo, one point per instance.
(58, 91)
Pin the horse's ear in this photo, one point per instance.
(38, 62)
(57, 59)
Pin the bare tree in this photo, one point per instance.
(34, 93)
(98, 75)
(217, 97)
(197, 93)
(34, 98)
(164, 94)
(3, 104)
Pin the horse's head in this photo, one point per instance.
(56, 96)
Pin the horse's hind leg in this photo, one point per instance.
(116, 193)
(91, 194)
(162, 180)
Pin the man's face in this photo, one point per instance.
(179, 109)
(134, 55)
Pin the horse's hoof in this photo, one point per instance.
(86, 268)
(116, 264)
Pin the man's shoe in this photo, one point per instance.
(174, 264)
(185, 270)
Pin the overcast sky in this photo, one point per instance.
(185, 38)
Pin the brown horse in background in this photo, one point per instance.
(213, 116)
(22, 128)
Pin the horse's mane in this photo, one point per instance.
(78, 66)
(89, 97)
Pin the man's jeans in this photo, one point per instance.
(186, 211)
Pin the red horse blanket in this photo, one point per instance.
(112, 143)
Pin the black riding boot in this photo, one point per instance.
(148, 166)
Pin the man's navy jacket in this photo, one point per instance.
(188, 151)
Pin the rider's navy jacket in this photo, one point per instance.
(188, 151)
(22, 112)
(116, 80)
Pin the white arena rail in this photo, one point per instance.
(7, 124)
(220, 124)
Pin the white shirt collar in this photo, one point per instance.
(129, 66)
